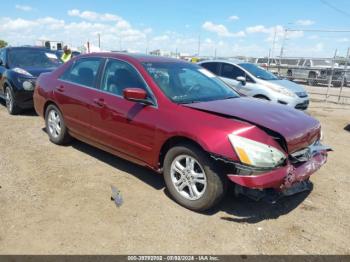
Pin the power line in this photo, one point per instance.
(335, 8)
(317, 30)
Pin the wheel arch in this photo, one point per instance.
(174, 141)
(46, 105)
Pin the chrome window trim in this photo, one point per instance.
(152, 96)
(98, 88)
(71, 66)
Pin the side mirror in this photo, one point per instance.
(241, 79)
(136, 95)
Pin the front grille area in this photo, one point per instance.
(302, 106)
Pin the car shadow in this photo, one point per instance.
(26, 112)
(142, 173)
(239, 209)
(347, 128)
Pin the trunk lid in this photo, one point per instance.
(298, 129)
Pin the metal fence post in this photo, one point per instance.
(331, 76)
(343, 76)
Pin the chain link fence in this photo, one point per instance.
(327, 79)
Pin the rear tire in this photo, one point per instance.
(311, 81)
(187, 168)
(11, 104)
(290, 75)
(55, 126)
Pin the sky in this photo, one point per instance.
(224, 28)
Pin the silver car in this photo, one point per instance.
(252, 80)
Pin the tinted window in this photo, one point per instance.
(32, 58)
(231, 71)
(83, 72)
(308, 63)
(119, 75)
(258, 72)
(301, 62)
(262, 61)
(2, 55)
(188, 83)
(212, 67)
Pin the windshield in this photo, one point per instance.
(258, 72)
(319, 62)
(23, 58)
(186, 83)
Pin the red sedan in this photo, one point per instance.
(180, 120)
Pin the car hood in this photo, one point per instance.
(298, 129)
(36, 71)
(288, 85)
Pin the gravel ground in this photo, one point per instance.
(56, 200)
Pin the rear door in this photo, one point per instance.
(76, 91)
(122, 125)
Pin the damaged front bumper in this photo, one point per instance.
(289, 179)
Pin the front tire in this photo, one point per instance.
(11, 104)
(311, 81)
(55, 126)
(192, 179)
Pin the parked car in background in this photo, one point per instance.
(265, 62)
(316, 71)
(180, 120)
(252, 80)
(19, 69)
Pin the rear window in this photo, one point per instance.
(83, 72)
(212, 67)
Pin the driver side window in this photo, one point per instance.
(119, 75)
(231, 71)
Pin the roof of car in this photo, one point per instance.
(142, 58)
(229, 61)
(29, 47)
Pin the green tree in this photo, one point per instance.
(3, 43)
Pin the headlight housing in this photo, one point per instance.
(28, 84)
(281, 90)
(256, 154)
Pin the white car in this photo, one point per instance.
(252, 80)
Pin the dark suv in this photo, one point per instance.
(19, 69)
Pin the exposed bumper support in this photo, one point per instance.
(287, 176)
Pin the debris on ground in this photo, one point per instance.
(116, 196)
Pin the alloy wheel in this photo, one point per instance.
(188, 177)
(9, 100)
(54, 123)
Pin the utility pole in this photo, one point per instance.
(331, 76)
(345, 70)
(273, 44)
(99, 40)
(282, 48)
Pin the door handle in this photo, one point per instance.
(60, 89)
(99, 101)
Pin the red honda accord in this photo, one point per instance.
(180, 120)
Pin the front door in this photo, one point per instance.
(122, 125)
(229, 74)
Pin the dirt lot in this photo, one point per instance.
(56, 200)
